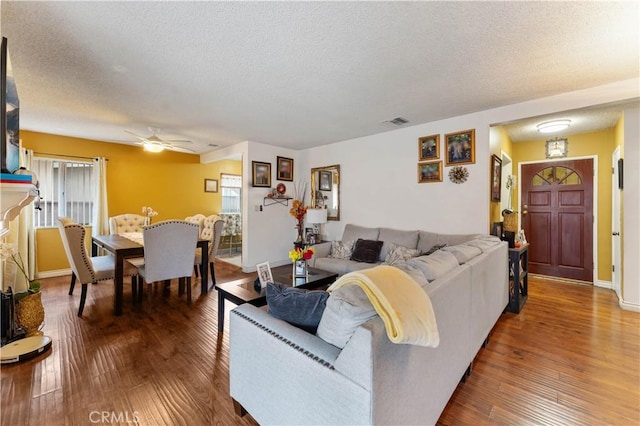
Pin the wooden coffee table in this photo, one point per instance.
(242, 291)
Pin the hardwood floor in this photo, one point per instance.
(570, 357)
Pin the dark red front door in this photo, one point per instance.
(557, 218)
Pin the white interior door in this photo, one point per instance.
(615, 226)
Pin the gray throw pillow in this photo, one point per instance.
(341, 249)
(299, 307)
(398, 254)
(366, 251)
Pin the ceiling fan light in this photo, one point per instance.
(153, 146)
(553, 126)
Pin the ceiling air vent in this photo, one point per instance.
(399, 121)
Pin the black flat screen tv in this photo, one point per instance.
(9, 114)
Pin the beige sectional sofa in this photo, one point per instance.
(282, 374)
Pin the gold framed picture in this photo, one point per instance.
(261, 175)
(284, 169)
(430, 172)
(211, 185)
(429, 148)
(461, 148)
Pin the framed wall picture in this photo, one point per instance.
(284, 169)
(264, 274)
(496, 177)
(261, 175)
(429, 148)
(430, 172)
(461, 148)
(211, 185)
(324, 182)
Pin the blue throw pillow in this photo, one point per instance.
(299, 307)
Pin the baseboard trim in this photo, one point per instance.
(629, 306)
(603, 284)
(54, 273)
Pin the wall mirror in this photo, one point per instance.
(325, 190)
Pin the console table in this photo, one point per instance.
(518, 278)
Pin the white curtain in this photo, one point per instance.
(100, 225)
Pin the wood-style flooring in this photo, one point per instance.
(571, 357)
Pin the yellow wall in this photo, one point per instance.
(505, 144)
(600, 144)
(170, 182)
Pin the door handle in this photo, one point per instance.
(615, 234)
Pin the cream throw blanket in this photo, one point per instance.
(402, 304)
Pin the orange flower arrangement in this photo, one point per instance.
(298, 210)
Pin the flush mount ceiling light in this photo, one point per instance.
(553, 126)
(152, 146)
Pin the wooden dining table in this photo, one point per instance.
(126, 248)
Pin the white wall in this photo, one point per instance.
(631, 227)
(379, 181)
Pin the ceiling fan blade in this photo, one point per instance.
(180, 149)
(178, 141)
(142, 138)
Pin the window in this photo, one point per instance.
(556, 174)
(231, 188)
(65, 189)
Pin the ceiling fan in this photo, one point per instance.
(153, 143)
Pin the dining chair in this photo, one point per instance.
(212, 231)
(168, 253)
(198, 219)
(87, 269)
(127, 222)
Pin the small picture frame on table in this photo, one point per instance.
(300, 269)
(264, 274)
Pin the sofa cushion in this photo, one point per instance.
(299, 307)
(433, 249)
(413, 272)
(390, 236)
(340, 266)
(399, 253)
(463, 252)
(347, 308)
(341, 249)
(484, 243)
(367, 251)
(353, 232)
(434, 265)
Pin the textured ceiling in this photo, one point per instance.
(300, 74)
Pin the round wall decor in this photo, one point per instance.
(458, 174)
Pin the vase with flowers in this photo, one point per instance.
(298, 209)
(149, 213)
(299, 256)
(29, 309)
